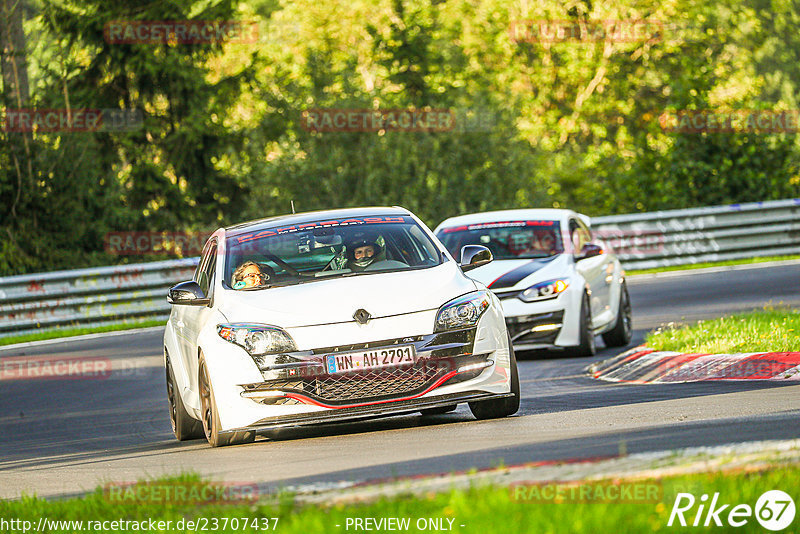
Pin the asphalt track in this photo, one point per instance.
(61, 437)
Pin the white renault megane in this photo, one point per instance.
(331, 316)
(559, 287)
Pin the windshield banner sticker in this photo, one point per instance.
(320, 224)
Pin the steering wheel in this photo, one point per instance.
(385, 265)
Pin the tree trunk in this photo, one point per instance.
(14, 62)
(16, 91)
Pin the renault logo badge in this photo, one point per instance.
(362, 316)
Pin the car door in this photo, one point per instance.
(604, 312)
(592, 269)
(195, 317)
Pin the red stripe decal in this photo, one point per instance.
(308, 400)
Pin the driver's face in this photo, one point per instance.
(251, 276)
(367, 251)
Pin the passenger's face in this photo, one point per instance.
(251, 276)
(367, 251)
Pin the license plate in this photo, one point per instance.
(370, 359)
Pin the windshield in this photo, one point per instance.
(507, 240)
(327, 248)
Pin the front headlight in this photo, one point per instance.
(257, 339)
(462, 312)
(545, 290)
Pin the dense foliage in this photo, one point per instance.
(571, 123)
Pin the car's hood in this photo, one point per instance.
(502, 275)
(337, 299)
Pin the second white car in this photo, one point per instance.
(558, 286)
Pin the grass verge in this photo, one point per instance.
(770, 330)
(479, 510)
(79, 331)
(745, 261)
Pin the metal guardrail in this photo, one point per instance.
(719, 233)
(92, 297)
(89, 297)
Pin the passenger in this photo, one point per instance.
(247, 275)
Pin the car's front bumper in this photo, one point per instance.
(452, 367)
(537, 330)
(544, 324)
(371, 411)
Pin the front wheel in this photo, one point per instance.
(184, 426)
(621, 334)
(496, 408)
(211, 424)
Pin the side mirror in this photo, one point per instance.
(188, 294)
(473, 256)
(589, 250)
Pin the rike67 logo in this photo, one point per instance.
(774, 510)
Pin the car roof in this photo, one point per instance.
(496, 216)
(311, 216)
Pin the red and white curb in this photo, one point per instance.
(642, 365)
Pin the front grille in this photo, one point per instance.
(372, 384)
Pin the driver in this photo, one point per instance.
(361, 253)
(540, 242)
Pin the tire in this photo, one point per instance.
(184, 426)
(211, 425)
(621, 334)
(587, 346)
(438, 411)
(496, 408)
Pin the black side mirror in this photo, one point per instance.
(589, 250)
(473, 256)
(187, 293)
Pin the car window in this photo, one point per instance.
(205, 269)
(579, 234)
(506, 239)
(585, 229)
(412, 246)
(204, 257)
(328, 248)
